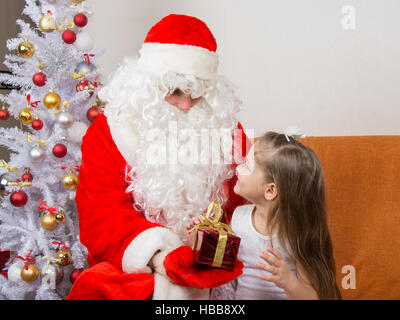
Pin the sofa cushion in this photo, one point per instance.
(363, 206)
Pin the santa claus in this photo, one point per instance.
(152, 162)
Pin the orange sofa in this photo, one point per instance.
(362, 177)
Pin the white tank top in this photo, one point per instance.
(248, 285)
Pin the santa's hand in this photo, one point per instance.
(156, 262)
(181, 269)
(148, 249)
(166, 288)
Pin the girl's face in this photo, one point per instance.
(250, 179)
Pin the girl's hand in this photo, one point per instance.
(277, 266)
(193, 222)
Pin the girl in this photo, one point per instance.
(285, 243)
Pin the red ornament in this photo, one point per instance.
(80, 20)
(39, 79)
(85, 85)
(69, 36)
(93, 113)
(4, 114)
(18, 198)
(59, 150)
(37, 124)
(27, 176)
(75, 274)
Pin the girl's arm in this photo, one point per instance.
(299, 287)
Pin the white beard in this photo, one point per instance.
(168, 184)
(174, 192)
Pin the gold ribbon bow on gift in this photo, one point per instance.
(215, 225)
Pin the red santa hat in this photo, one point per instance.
(182, 44)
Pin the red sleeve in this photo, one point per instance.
(107, 220)
(244, 144)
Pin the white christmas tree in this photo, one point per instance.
(54, 67)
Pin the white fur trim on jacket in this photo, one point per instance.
(125, 137)
(165, 289)
(143, 247)
(160, 58)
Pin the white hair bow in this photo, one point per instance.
(294, 132)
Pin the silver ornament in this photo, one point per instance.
(84, 68)
(52, 274)
(65, 119)
(37, 154)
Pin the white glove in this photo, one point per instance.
(141, 250)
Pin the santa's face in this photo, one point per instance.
(183, 131)
(181, 100)
(182, 159)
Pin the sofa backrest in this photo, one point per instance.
(362, 177)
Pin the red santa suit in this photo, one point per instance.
(121, 241)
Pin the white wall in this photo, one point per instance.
(292, 60)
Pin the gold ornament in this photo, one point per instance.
(26, 49)
(70, 181)
(49, 222)
(60, 216)
(25, 116)
(31, 274)
(47, 24)
(52, 100)
(76, 1)
(63, 257)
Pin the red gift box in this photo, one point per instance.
(205, 249)
(215, 243)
